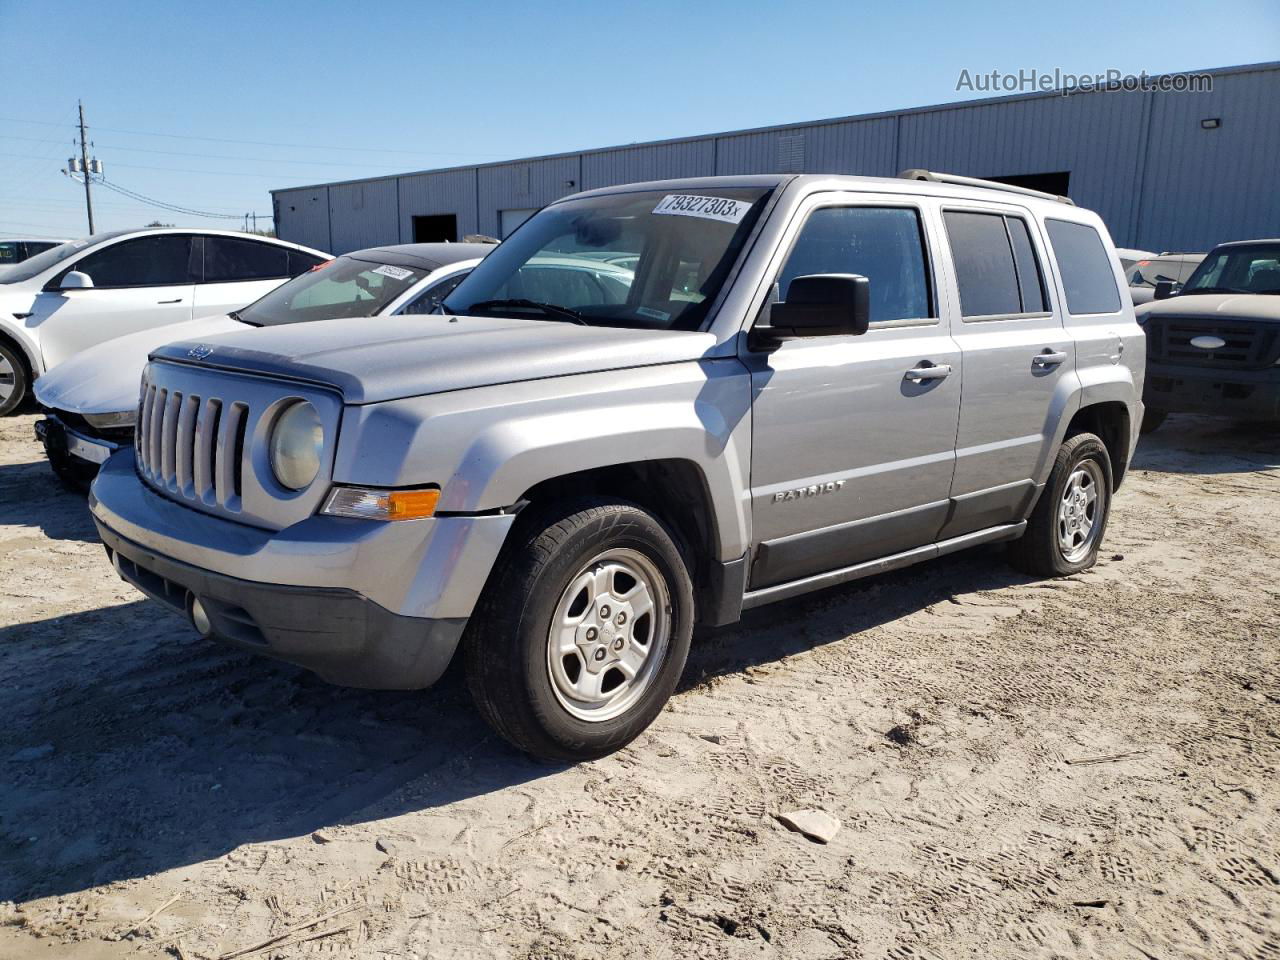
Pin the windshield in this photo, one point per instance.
(1147, 273)
(41, 262)
(345, 287)
(654, 259)
(1247, 269)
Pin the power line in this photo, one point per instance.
(164, 205)
(269, 143)
(212, 156)
(211, 173)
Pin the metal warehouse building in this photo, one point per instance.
(1165, 170)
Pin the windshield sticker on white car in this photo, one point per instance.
(395, 273)
(709, 208)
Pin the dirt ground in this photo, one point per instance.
(1085, 767)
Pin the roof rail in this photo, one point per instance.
(915, 174)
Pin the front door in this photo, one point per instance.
(1016, 352)
(853, 440)
(138, 283)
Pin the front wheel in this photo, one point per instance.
(583, 630)
(13, 379)
(1066, 527)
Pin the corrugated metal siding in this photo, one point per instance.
(451, 191)
(362, 215)
(1174, 187)
(667, 161)
(1097, 137)
(863, 147)
(522, 185)
(302, 216)
(1206, 186)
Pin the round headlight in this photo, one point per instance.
(296, 442)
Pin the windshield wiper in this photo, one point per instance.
(1217, 290)
(549, 309)
(235, 315)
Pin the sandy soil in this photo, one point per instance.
(1077, 768)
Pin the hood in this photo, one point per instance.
(387, 358)
(105, 378)
(1243, 306)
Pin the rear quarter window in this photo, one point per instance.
(1087, 275)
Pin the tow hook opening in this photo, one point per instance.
(199, 616)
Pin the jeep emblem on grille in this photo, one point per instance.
(200, 351)
(1208, 343)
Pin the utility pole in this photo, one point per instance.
(84, 160)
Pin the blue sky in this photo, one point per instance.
(334, 90)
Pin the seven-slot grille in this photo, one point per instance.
(1248, 345)
(191, 446)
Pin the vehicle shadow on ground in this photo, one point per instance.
(838, 613)
(132, 746)
(1207, 445)
(30, 495)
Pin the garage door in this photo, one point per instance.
(508, 220)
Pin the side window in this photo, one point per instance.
(1030, 281)
(430, 298)
(228, 259)
(143, 262)
(985, 270)
(883, 244)
(1085, 267)
(300, 263)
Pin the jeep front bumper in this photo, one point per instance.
(361, 602)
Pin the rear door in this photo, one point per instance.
(1016, 351)
(237, 271)
(138, 283)
(853, 437)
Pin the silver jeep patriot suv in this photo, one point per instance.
(654, 406)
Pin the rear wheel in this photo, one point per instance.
(1152, 419)
(1066, 527)
(583, 630)
(14, 379)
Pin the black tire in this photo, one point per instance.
(1039, 551)
(14, 361)
(506, 645)
(1152, 420)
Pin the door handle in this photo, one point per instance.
(1050, 358)
(179, 300)
(928, 371)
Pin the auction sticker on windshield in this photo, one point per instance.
(395, 273)
(709, 208)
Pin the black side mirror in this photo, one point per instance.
(1164, 289)
(821, 305)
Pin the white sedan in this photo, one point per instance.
(91, 400)
(81, 293)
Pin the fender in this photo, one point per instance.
(30, 349)
(486, 447)
(1085, 388)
